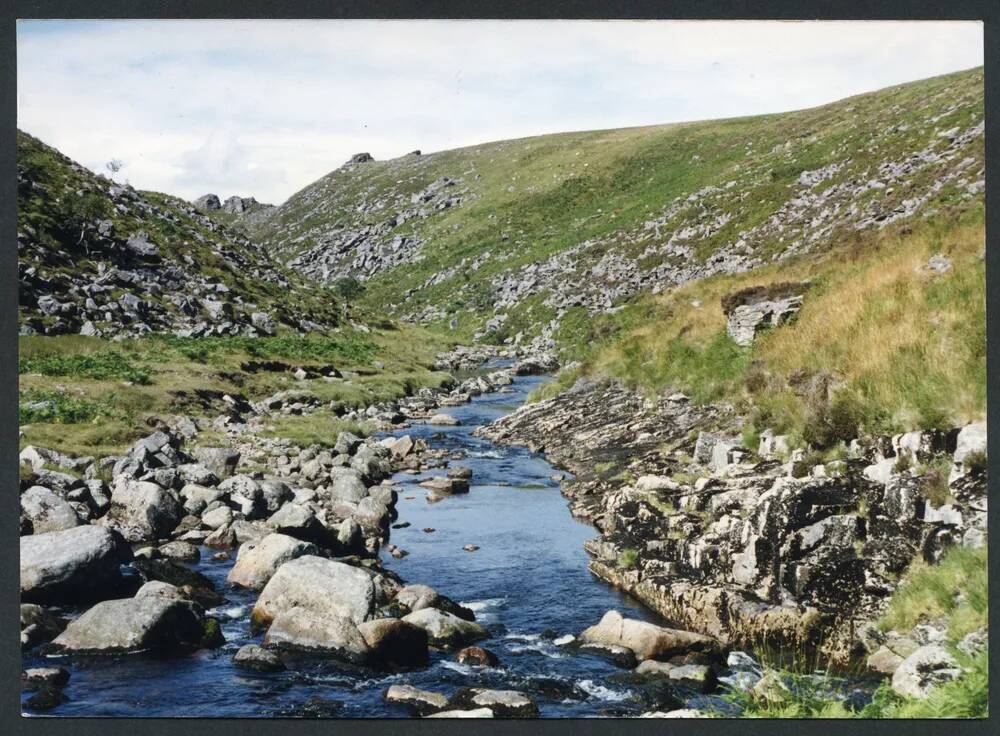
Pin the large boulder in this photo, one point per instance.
(647, 640)
(347, 485)
(257, 562)
(143, 511)
(444, 630)
(82, 563)
(47, 512)
(421, 701)
(326, 632)
(317, 584)
(153, 623)
(395, 642)
(222, 461)
(924, 669)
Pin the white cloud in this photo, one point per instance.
(265, 107)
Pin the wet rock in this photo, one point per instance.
(471, 713)
(647, 640)
(326, 632)
(698, 676)
(422, 702)
(182, 551)
(459, 471)
(443, 420)
(477, 656)
(502, 703)
(76, 564)
(46, 698)
(256, 562)
(395, 643)
(132, 625)
(258, 659)
(445, 630)
(927, 667)
(619, 655)
(317, 584)
(38, 626)
(440, 487)
(38, 678)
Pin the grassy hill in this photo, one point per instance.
(525, 231)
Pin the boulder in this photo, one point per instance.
(347, 485)
(218, 517)
(257, 562)
(421, 701)
(444, 420)
(317, 584)
(142, 511)
(177, 550)
(477, 656)
(47, 512)
(257, 659)
(38, 625)
(37, 678)
(463, 714)
(927, 667)
(82, 563)
(327, 632)
(132, 625)
(698, 676)
(445, 630)
(394, 642)
(222, 461)
(502, 703)
(647, 640)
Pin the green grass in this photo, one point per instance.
(319, 428)
(955, 589)
(110, 364)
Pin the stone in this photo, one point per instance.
(327, 632)
(443, 420)
(971, 439)
(502, 703)
(143, 511)
(46, 511)
(222, 461)
(37, 678)
(317, 584)
(445, 486)
(647, 640)
(178, 550)
(884, 661)
(219, 517)
(395, 642)
(758, 307)
(224, 537)
(207, 202)
(477, 656)
(256, 562)
(347, 485)
(257, 659)
(132, 625)
(699, 676)
(471, 713)
(445, 630)
(421, 701)
(78, 564)
(38, 626)
(927, 667)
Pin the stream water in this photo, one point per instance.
(528, 584)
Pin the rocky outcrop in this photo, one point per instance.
(744, 549)
(759, 307)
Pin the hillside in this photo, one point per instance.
(505, 237)
(100, 258)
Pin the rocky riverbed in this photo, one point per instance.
(420, 571)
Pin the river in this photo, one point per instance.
(528, 583)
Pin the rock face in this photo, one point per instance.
(754, 549)
(132, 625)
(758, 307)
(319, 585)
(82, 563)
(258, 561)
(647, 640)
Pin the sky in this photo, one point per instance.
(264, 108)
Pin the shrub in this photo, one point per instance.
(976, 461)
(627, 558)
(839, 420)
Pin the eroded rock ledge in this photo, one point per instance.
(754, 548)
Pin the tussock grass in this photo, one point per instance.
(955, 589)
(319, 428)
